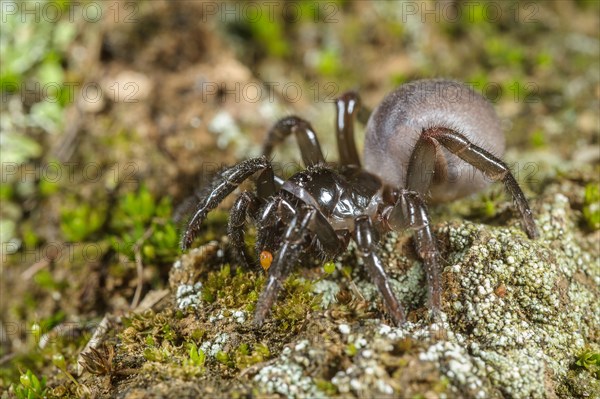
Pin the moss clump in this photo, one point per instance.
(80, 220)
(591, 206)
(589, 360)
(232, 290)
(141, 226)
(30, 386)
(298, 302)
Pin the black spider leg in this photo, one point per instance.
(367, 250)
(459, 145)
(283, 263)
(223, 186)
(248, 204)
(410, 211)
(275, 211)
(307, 221)
(347, 106)
(305, 135)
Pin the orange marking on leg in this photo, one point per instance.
(266, 258)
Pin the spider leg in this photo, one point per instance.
(493, 167)
(367, 249)
(421, 166)
(274, 211)
(223, 186)
(305, 135)
(283, 263)
(410, 211)
(347, 106)
(267, 183)
(281, 209)
(245, 204)
(307, 220)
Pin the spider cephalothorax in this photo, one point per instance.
(412, 138)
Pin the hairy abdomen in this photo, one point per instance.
(396, 125)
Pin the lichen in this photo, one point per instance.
(517, 316)
(517, 313)
(188, 295)
(287, 375)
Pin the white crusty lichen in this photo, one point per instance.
(457, 365)
(213, 347)
(366, 375)
(287, 375)
(523, 313)
(517, 314)
(328, 290)
(239, 316)
(188, 295)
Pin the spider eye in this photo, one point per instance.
(266, 258)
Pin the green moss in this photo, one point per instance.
(78, 221)
(351, 350)
(544, 59)
(329, 63)
(268, 32)
(263, 350)
(538, 139)
(397, 79)
(591, 206)
(142, 223)
(486, 205)
(578, 383)
(31, 386)
(232, 291)
(589, 360)
(196, 355)
(329, 267)
(326, 387)
(48, 187)
(298, 302)
(223, 358)
(154, 354)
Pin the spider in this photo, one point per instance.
(419, 143)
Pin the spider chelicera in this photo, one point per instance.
(419, 143)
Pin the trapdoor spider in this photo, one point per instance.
(419, 142)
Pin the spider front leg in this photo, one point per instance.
(227, 181)
(306, 221)
(276, 211)
(246, 205)
(363, 235)
(283, 263)
(410, 211)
